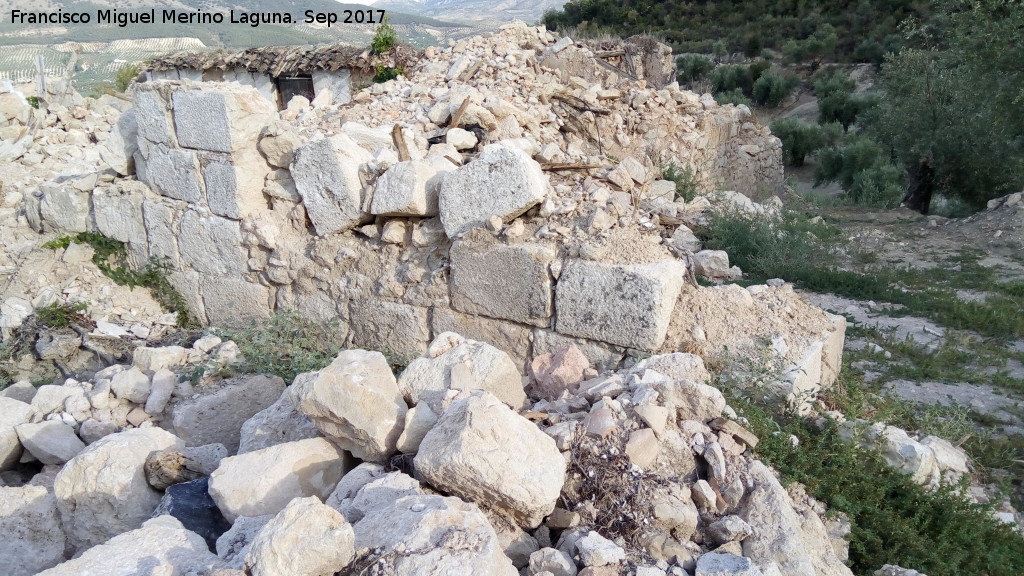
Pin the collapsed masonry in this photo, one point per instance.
(387, 216)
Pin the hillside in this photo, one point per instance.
(475, 11)
(417, 30)
(864, 29)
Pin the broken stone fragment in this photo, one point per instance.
(503, 181)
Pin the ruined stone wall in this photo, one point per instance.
(345, 213)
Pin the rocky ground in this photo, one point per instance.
(132, 445)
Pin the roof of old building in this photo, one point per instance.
(278, 60)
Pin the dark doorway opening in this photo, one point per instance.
(295, 85)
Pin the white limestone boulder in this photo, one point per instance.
(103, 491)
(12, 414)
(355, 401)
(278, 423)
(456, 363)
(159, 543)
(306, 538)
(482, 451)
(265, 481)
(438, 535)
(216, 416)
(410, 188)
(51, 442)
(326, 174)
(32, 537)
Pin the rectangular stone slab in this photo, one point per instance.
(629, 305)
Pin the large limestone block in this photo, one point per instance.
(306, 538)
(455, 363)
(777, 535)
(210, 244)
(377, 494)
(220, 116)
(160, 542)
(216, 416)
(103, 491)
(482, 451)
(440, 536)
(410, 188)
(118, 150)
(161, 231)
(65, 209)
(832, 350)
(118, 213)
(326, 174)
(228, 301)
(278, 423)
(355, 401)
(234, 183)
(628, 305)
(12, 413)
(51, 442)
(400, 330)
(233, 545)
(171, 172)
(509, 281)
(152, 119)
(503, 181)
(602, 356)
(32, 537)
(265, 481)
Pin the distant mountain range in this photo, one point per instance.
(419, 29)
(478, 11)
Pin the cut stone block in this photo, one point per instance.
(326, 174)
(171, 172)
(234, 183)
(229, 301)
(503, 181)
(397, 329)
(219, 116)
(410, 188)
(512, 282)
(629, 305)
(210, 244)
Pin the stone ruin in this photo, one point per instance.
(496, 220)
(389, 216)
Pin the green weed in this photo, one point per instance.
(286, 344)
(110, 256)
(58, 315)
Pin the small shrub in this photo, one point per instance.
(732, 97)
(693, 67)
(865, 173)
(685, 179)
(58, 315)
(729, 78)
(33, 101)
(125, 76)
(59, 244)
(800, 139)
(772, 88)
(287, 344)
(385, 37)
(385, 73)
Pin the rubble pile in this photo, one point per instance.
(496, 219)
(398, 474)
